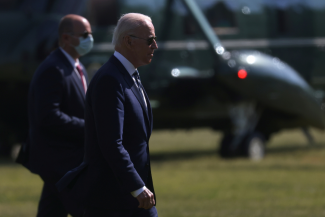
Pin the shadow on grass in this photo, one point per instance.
(184, 155)
(187, 155)
(192, 154)
(162, 156)
(294, 148)
(8, 161)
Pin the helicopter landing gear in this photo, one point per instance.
(244, 140)
(252, 146)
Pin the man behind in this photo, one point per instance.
(118, 122)
(56, 114)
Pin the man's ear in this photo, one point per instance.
(127, 41)
(64, 39)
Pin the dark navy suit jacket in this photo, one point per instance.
(118, 127)
(56, 103)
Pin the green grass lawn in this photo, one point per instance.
(191, 180)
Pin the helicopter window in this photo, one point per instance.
(219, 16)
(282, 21)
(103, 13)
(190, 26)
(295, 21)
(222, 19)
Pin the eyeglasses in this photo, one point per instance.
(149, 40)
(84, 34)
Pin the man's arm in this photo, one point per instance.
(107, 102)
(48, 93)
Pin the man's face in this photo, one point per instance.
(81, 27)
(143, 52)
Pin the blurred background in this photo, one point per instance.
(238, 98)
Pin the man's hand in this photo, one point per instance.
(146, 199)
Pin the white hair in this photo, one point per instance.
(126, 24)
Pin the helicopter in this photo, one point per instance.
(233, 85)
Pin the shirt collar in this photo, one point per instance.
(126, 63)
(71, 60)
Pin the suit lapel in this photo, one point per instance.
(78, 83)
(74, 75)
(127, 77)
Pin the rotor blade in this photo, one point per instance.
(205, 26)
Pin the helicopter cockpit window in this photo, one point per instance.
(103, 13)
(282, 21)
(221, 18)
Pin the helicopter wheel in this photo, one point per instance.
(254, 146)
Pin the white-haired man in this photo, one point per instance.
(118, 122)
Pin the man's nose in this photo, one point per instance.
(154, 45)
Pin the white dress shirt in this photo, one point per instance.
(131, 69)
(74, 65)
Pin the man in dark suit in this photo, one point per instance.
(118, 122)
(56, 113)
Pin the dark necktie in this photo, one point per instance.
(81, 77)
(137, 79)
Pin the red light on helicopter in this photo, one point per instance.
(242, 74)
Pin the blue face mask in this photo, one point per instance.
(85, 45)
